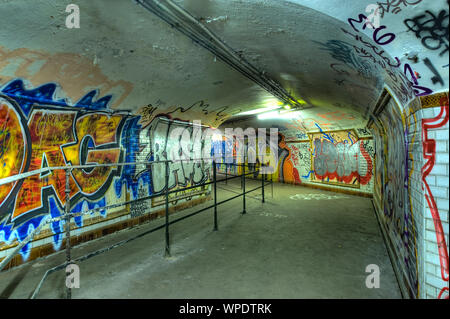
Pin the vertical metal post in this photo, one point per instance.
(215, 194)
(243, 188)
(241, 172)
(262, 189)
(226, 173)
(271, 183)
(67, 217)
(167, 250)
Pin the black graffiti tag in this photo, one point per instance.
(395, 5)
(433, 30)
(437, 77)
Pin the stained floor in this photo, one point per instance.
(301, 243)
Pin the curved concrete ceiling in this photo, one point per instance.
(307, 46)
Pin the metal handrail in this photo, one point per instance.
(16, 177)
(69, 215)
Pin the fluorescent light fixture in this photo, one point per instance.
(268, 115)
(261, 110)
(279, 115)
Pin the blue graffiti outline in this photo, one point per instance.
(45, 95)
(307, 176)
(326, 136)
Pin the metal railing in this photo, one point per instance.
(167, 222)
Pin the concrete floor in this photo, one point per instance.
(296, 245)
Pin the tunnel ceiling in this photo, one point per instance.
(123, 50)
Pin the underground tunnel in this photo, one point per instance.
(281, 149)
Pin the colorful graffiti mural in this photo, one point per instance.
(392, 191)
(340, 162)
(39, 130)
(407, 151)
(156, 145)
(312, 158)
(340, 158)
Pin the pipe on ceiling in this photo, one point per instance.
(184, 22)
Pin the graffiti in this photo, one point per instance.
(336, 116)
(429, 154)
(368, 147)
(147, 113)
(299, 165)
(58, 70)
(39, 131)
(341, 70)
(385, 39)
(269, 151)
(300, 158)
(156, 145)
(304, 124)
(272, 215)
(294, 154)
(392, 189)
(395, 6)
(205, 108)
(296, 158)
(316, 197)
(362, 132)
(56, 137)
(139, 208)
(202, 109)
(381, 60)
(329, 137)
(341, 162)
(337, 67)
(343, 52)
(59, 138)
(309, 174)
(431, 29)
(302, 136)
(437, 77)
(379, 168)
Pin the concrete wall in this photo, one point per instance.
(411, 192)
(435, 177)
(338, 160)
(403, 161)
(38, 130)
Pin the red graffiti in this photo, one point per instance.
(297, 179)
(336, 116)
(363, 180)
(429, 153)
(340, 162)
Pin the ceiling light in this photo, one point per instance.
(261, 110)
(284, 114)
(268, 115)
